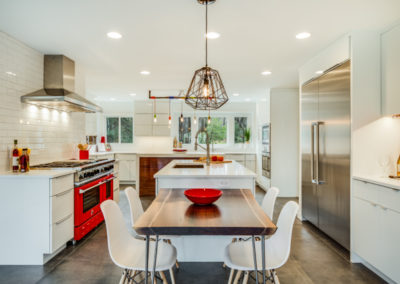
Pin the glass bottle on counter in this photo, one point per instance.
(24, 161)
(398, 166)
(15, 157)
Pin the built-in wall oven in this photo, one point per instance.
(266, 150)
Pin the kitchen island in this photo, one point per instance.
(189, 174)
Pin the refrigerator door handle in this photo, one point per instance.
(313, 180)
(318, 181)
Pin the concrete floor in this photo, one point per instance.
(314, 259)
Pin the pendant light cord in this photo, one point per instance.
(206, 33)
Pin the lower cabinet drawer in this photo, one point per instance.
(384, 196)
(62, 204)
(60, 184)
(61, 232)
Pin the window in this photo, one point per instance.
(217, 130)
(240, 129)
(185, 131)
(112, 129)
(126, 130)
(119, 129)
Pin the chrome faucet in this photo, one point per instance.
(196, 144)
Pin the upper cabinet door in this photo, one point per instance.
(391, 71)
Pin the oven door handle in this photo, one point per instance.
(82, 191)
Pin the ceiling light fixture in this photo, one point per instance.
(303, 35)
(247, 100)
(266, 73)
(319, 72)
(114, 35)
(145, 72)
(206, 90)
(132, 95)
(235, 94)
(212, 35)
(11, 73)
(155, 114)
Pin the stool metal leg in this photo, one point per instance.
(255, 257)
(153, 273)
(146, 264)
(263, 256)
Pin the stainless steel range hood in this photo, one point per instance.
(59, 86)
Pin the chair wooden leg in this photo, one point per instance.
(123, 277)
(246, 277)
(177, 264)
(238, 274)
(171, 274)
(275, 277)
(231, 276)
(164, 279)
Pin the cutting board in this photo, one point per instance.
(212, 162)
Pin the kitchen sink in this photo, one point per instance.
(189, 166)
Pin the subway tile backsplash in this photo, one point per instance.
(52, 135)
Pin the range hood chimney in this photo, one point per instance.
(59, 87)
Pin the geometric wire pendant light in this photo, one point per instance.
(206, 90)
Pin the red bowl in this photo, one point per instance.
(180, 150)
(203, 196)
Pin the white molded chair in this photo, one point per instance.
(135, 206)
(128, 252)
(239, 255)
(268, 203)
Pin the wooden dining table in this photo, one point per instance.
(236, 213)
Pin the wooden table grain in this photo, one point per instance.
(235, 213)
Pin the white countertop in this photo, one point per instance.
(172, 153)
(383, 181)
(233, 170)
(37, 174)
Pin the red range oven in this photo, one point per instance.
(88, 198)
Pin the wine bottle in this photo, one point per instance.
(15, 157)
(398, 166)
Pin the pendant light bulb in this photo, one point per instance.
(209, 120)
(155, 118)
(195, 119)
(181, 117)
(169, 120)
(206, 92)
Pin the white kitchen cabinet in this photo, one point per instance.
(127, 167)
(375, 227)
(144, 124)
(41, 223)
(390, 45)
(246, 160)
(102, 156)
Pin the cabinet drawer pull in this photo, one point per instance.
(63, 219)
(63, 193)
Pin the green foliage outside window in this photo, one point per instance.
(126, 130)
(112, 129)
(217, 130)
(240, 129)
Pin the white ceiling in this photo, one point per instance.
(166, 38)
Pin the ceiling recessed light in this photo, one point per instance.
(263, 99)
(145, 72)
(319, 72)
(112, 99)
(248, 99)
(114, 35)
(132, 95)
(212, 35)
(303, 35)
(235, 95)
(11, 73)
(266, 73)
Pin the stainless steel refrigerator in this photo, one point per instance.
(325, 136)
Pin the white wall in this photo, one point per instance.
(50, 134)
(285, 141)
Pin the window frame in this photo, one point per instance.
(119, 116)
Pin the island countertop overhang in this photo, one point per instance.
(232, 170)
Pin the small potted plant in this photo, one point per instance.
(247, 135)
